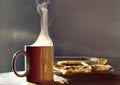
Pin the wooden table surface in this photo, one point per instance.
(89, 79)
(9, 78)
(112, 78)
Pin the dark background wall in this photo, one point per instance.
(77, 27)
(87, 27)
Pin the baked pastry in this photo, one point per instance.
(100, 61)
(72, 67)
(70, 63)
(101, 68)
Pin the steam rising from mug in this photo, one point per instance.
(43, 38)
(40, 55)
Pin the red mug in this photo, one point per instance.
(39, 64)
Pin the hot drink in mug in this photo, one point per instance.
(39, 64)
(39, 56)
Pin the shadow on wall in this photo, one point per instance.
(19, 26)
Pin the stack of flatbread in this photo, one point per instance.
(69, 67)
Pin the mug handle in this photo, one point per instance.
(14, 63)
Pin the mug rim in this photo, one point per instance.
(36, 46)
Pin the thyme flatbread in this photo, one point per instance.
(72, 67)
(100, 61)
(101, 68)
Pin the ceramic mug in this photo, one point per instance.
(39, 64)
